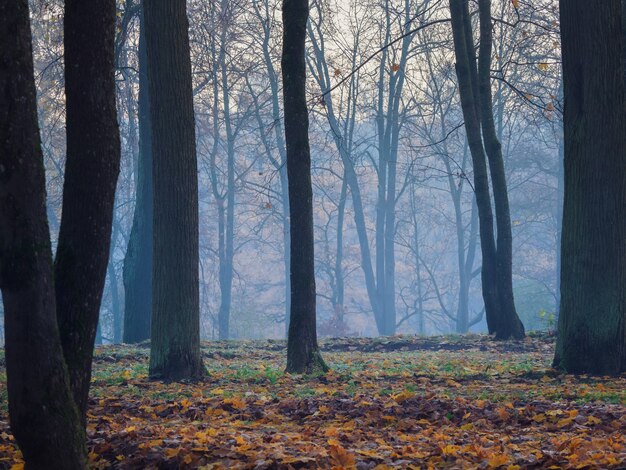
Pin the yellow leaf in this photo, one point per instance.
(497, 460)
(540, 418)
(403, 396)
(542, 66)
(593, 420)
(236, 403)
(450, 449)
(17, 466)
(564, 422)
(453, 383)
(217, 391)
(170, 453)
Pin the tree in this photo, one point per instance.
(51, 320)
(175, 344)
(138, 260)
(303, 354)
(44, 417)
(592, 314)
(91, 170)
(476, 102)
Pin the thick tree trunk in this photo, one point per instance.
(175, 345)
(138, 260)
(303, 354)
(44, 418)
(592, 318)
(91, 171)
(509, 324)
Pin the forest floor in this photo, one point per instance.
(397, 402)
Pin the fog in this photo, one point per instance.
(393, 182)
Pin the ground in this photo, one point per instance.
(400, 402)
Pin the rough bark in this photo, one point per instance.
(175, 344)
(138, 260)
(592, 314)
(44, 418)
(91, 171)
(303, 354)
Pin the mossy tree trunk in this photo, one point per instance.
(175, 339)
(592, 313)
(303, 354)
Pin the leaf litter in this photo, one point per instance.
(392, 402)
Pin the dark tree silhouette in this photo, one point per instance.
(303, 354)
(592, 314)
(51, 320)
(476, 102)
(91, 170)
(175, 339)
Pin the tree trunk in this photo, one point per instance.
(175, 345)
(339, 291)
(227, 227)
(509, 324)
(138, 260)
(44, 418)
(465, 69)
(592, 318)
(303, 354)
(116, 307)
(91, 171)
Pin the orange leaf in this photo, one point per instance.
(342, 458)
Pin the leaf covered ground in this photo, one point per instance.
(400, 402)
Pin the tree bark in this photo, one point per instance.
(175, 345)
(592, 318)
(509, 324)
(476, 102)
(44, 418)
(303, 354)
(91, 171)
(138, 260)
(465, 66)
